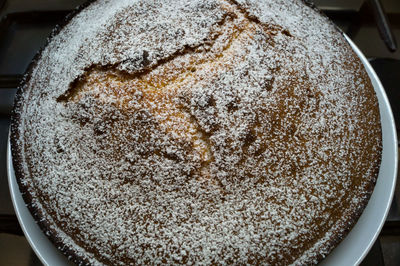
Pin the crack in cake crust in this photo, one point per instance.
(157, 83)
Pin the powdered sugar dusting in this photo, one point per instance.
(199, 131)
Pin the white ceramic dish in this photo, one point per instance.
(351, 250)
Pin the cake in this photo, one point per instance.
(196, 132)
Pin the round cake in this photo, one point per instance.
(196, 132)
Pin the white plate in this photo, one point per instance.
(351, 250)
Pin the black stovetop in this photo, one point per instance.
(25, 26)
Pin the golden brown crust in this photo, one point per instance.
(220, 134)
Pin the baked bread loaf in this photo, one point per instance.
(203, 131)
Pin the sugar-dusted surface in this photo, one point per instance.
(198, 131)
